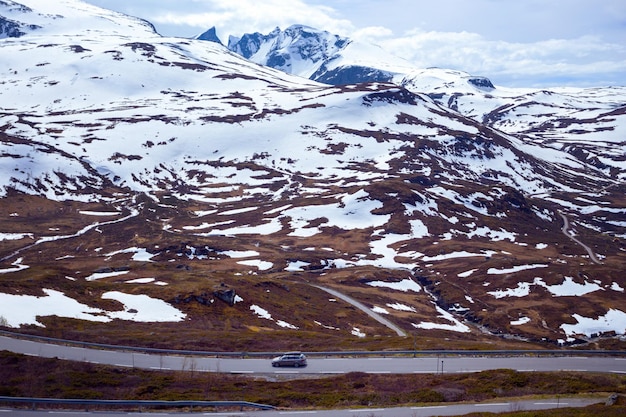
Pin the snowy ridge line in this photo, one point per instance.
(381, 353)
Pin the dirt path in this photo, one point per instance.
(565, 229)
(365, 309)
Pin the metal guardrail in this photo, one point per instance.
(384, 353)
(140, 404)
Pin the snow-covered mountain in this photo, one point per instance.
(437, 199)
(550, 117)
(317, 55)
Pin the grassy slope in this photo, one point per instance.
(323, 324)
(23, 376)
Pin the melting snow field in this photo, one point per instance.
(613, 320)
(112, 111)
(20, 310)
(568, 288)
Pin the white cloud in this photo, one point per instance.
(585, 58)
(245, 16)
(371, 34)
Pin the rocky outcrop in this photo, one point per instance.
(226, 295)
(12, 29)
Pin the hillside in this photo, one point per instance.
(155, 184)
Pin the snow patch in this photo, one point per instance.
(520, 321)
(101, 275)
(261, 265)
(456, 325)
(613, 321)
(17, 266)
(518, 268)
(21, 310)
(357, 332)
(264, 314)
(401, 307)
(404, 285)
(568, 288)
(15, 236)
(380, 310)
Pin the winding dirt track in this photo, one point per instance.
(565, 229)
(364, 308)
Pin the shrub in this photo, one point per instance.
(429, 396)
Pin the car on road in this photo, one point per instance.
(295, 359)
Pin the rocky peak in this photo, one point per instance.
(210, 35)
(298, 50)
(247, 45)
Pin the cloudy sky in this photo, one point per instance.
(522, 43)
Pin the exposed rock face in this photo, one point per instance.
(12, 29)
(205, 298)
(297, 41)
(481, 82)
(351, 74)
(226, 295)
(202, 298)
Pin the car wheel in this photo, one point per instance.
(297, 365)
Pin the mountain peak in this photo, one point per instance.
(319, 55)
(210, 35)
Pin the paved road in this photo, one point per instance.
(330, 365)
(439, 410)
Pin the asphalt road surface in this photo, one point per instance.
(439, 410)
(317, 365)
